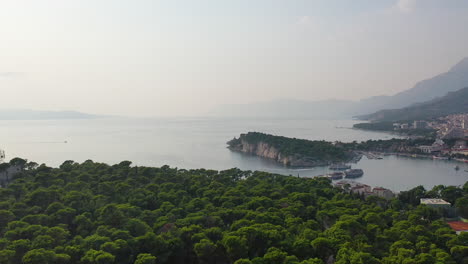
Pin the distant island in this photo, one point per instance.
(25, 114)
(290, 151)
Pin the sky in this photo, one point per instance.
(185, 57)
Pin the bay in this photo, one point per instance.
(201, 143)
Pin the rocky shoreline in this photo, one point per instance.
(269, 151)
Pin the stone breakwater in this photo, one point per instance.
(265, 150)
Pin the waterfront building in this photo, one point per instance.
(425, 149)
(361, 189)
(437, 146)
(459, 144)
(459, 151)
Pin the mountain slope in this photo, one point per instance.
(456, 78)
(452, 103)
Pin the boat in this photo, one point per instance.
(457, 168)
(440, 158)
(354, 173)
(338, 175)
(340, 167)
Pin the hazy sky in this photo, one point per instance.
(175, 57)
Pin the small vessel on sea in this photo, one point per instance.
(440, 158)
(340, 166)
(457, 168)
(353, 173)
(337, 175)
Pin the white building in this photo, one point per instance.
(435, 203)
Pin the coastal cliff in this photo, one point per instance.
(289, 151)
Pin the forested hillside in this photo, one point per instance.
(302, 152)
(95, 213)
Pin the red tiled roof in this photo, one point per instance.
(458, 225)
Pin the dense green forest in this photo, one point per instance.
(97, 213)
(316, 149)
(377, 126)
(330, 151)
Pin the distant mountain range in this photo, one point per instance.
(455, 79)
(42, 115)
(329, 109)
(452, 103)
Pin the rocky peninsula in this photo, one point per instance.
(291, 152)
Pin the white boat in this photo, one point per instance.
(354, 173)
(440, 158)
(338, 175)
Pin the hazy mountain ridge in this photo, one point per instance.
(287, 109)
(452, 103)
(25, 114)
(455, 79)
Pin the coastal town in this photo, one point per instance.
(447, 127)
(451, 136)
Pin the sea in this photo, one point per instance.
(192, 143)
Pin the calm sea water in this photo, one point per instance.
(201, 143)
